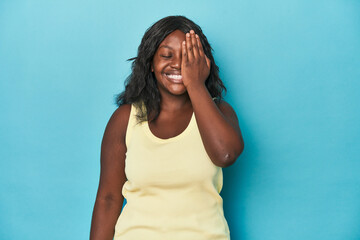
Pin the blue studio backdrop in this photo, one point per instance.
(292, 69)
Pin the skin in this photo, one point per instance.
(183, 54)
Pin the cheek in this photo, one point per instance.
(158, 68)
(157, 74)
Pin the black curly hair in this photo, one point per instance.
(141, 85)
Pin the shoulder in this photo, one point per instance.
(123, 112)
(118, 122)
(229, 113)
(226, 108)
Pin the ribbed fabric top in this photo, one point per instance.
(172, 188)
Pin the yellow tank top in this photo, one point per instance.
(172, 188)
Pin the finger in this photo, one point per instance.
(194, 44)
(208, 62)
(201, 50)
(189, 47)
(184, 53)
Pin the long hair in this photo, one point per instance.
(141, 85)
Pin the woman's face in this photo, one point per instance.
(166, 64)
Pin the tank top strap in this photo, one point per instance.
(131, 124)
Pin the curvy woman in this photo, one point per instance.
(165, 145)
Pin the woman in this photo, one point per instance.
(165, 146)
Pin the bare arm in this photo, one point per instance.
(109, 199)
(218, 125)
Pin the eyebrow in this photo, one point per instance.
(165, 46)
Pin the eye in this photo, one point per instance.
(165, 56)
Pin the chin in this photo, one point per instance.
(178, 91)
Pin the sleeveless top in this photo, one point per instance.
(172, 188)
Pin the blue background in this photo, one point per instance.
(292, 69)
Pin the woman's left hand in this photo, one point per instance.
(195, 65)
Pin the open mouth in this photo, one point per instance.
(175, 78)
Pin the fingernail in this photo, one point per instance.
(188, 34)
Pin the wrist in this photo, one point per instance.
(195, 86)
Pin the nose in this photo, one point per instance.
(176, 63)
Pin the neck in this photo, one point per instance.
(172, 103)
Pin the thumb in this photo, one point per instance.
(208, 62)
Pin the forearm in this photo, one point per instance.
(105, 215)
(221, 140)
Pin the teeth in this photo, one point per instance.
(174, 76)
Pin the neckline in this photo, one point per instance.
(166, 140)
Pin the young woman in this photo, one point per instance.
(164, 147)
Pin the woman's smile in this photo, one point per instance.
(175, 78)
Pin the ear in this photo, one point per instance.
(152, 67)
